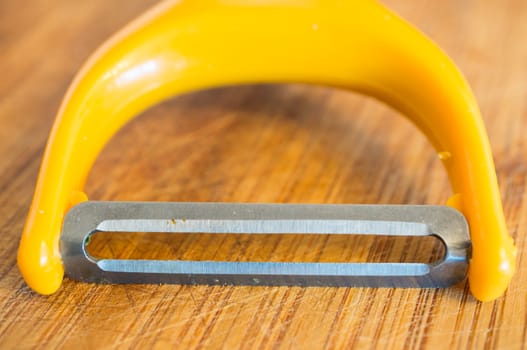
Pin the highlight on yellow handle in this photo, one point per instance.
(182, 46)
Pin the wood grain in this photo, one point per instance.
(288, 144)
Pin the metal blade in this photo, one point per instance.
(443, 222)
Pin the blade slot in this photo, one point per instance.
(281, 247)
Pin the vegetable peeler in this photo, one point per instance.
(183, 46)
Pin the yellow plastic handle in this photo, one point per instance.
(182, 46)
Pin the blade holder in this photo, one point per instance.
(90, 217)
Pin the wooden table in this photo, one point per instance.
(290, 144)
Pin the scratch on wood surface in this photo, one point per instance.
(201, 315)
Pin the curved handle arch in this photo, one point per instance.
(182, 46)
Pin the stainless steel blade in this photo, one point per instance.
(443, 222)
